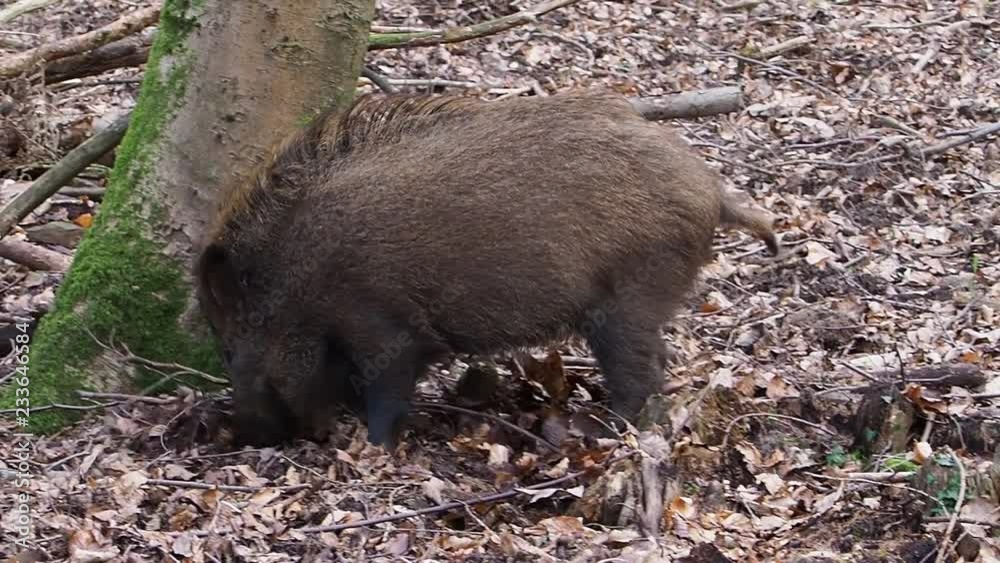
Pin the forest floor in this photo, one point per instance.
(837, 403)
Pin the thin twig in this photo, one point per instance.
(444, 507)
(125, 397)
(228, 488)
(859, 371)
(888, 484)
(178, 370)
(494, 418)
(377, 41)
(980, 133)
(764, 64)
(732, 423)
(51, 406)
(938, 21)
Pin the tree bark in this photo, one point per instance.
(225, 82)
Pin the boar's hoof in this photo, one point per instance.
(385, 421)
(260, 433)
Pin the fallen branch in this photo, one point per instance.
(124, 53)
(22, 7)
(980, 133)
(121, 53)
(377, 79)
(56, 177)
(33, 256)
(928, 56)
(95, 193)
(699, 103)
(444, 507)
(882, 476)
(942, 376)
(785, 46)
(126, 25)
(378, 41)
(742, 5)
(435, 83)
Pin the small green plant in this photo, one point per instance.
(899, 464)
(948, 496)
(837, 457)
(975, 263)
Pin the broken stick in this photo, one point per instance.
(56, 177)
(34, 256)
(699, 103)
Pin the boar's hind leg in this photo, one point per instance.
(631, 355)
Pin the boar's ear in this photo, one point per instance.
(217, 278)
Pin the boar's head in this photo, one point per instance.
(254, 291)
(272, 357)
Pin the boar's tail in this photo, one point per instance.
(759, 223)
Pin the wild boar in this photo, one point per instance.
(407, 227)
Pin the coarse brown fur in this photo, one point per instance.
(407, 227)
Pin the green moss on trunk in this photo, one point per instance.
(121, 284)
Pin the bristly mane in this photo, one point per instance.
(333, 135)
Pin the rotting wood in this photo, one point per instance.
(34, 256)
(122, 27)
(124, 53)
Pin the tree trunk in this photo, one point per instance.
(225, 81)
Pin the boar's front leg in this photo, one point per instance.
(389, 357)
(387, 405)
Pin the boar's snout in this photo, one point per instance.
(260, 430)
(261, 418)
